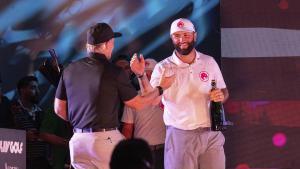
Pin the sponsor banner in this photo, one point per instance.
(12, 149)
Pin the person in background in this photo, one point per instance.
(123, 61)
(29, 116)
(6, 117)
(57, 133)
(55, 130)
(147, 124)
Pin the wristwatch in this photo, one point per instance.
(160, 90)
(140, 76)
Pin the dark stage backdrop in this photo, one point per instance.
(260, 42)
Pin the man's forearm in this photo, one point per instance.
(145, 85)
(127, 130)
(150, 96)
(60, 108)
(140, 102)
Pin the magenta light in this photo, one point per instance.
(279, 139)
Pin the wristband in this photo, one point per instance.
(140, 76)
(160, 90)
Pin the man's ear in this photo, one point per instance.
(104, 45)
(195, 36)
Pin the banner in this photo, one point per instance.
(12, 149)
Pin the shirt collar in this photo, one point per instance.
(32, 112)
(98, 56)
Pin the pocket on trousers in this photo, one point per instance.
(169, 141)
(220, 139)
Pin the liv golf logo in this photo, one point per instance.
(11, 147)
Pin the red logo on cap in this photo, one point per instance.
(204, 76)
(180, 24)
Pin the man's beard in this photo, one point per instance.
(185, 51)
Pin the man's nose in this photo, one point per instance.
(180, 39)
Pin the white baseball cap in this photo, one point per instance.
(182, 24)
(150, 64)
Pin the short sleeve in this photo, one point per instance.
(128, 115)
(125, 88)
(156, 75)
(218, 75)
(61, 89)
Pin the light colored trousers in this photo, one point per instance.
(194, 149)
(93, 150)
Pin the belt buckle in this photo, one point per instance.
(202, 129)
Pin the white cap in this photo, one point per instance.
(150, 64)
(182, 24)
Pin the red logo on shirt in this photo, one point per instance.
(180, 24)
(161, 105)
(204, 76)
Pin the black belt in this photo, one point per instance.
(156, 147)
(91, 130)
(203, 129)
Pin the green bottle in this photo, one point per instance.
(217, 114)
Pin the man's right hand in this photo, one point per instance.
(166, 81)
(137, 65)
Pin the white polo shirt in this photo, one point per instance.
(186, 102)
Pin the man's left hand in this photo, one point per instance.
(217, 95)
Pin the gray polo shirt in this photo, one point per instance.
(93, 88)
(148, 123)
